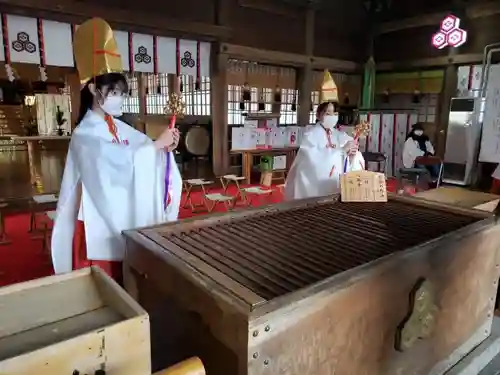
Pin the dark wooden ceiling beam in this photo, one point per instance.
(282, 9)
(472, 11)
(73, 11)
(288, 59)
(431, 62)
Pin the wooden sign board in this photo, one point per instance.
(363, 186)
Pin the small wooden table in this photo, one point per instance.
(461, 197)
(247, 157)
(32, 142)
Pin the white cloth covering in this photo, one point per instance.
(317, 167)
(122, 187)
(411, 151)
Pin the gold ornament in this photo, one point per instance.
(175, 106)
(329, 92)
(361, 130)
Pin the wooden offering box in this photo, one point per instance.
(323, 287)
(75, 323)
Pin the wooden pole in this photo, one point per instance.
(220, 137)
(305, 74)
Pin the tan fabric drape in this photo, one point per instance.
(260, 76)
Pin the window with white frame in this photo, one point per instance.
(156, 93)
(234, 113)
(287, 115)
(202, 105)
(131, 102)
(197, 102)
(235, 116)
(314, 106)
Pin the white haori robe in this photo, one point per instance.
(122, 186)
(319, 163)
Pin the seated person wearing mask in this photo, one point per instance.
(325, 152)
(418, 144)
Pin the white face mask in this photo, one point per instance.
(113, 105)
(329, 121)
(418, 133)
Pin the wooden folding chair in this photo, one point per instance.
(190, 188)
(226, 181)
(217, 198)
(250, 193)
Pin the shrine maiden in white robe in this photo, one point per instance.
(122, 187)
(317, 167)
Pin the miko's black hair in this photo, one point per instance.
(110, 80)
(320, 111)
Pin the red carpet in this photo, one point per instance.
(23, 259)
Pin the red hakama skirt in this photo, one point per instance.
(80, 259)
(495, 186)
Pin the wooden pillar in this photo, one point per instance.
(448, 91)
(141, 91)
(220, 131)
(219, 62)
(305, 74)
(304, 83)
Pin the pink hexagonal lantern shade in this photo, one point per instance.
(450, 34)
(439, 40)
(450, 23)
(456, 37)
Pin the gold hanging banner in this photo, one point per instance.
(427, 82)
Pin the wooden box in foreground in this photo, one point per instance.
(319, 287)
(73, 323)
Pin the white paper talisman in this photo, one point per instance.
(292, 136)
(278, 137)
(188, 54)
(142, 52)
(205, 59)
(58, 43)
(23, 39)
(121, 38)
(260, 137)
(242, 138)
(166, 55)
(279, 162)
